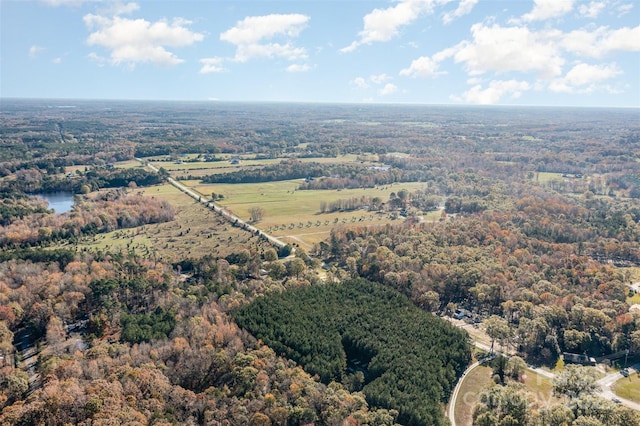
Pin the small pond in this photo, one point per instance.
(60, 202)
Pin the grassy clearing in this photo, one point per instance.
(472, 384)
(130, 164)
(541, 387)
(295, 215)
(548, 176)
(180, 168)
(245, 161)
(479, 378)
(634, 300)
(628, 388)
(195, 232)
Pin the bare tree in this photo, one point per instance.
(257, 214)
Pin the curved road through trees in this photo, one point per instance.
(454, 395)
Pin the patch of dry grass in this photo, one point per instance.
(195, 231)
(473, 383)
(628, 387)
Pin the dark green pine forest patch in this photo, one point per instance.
(405, 359)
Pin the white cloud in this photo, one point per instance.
(137, 40)
(119, 8)
(388, 89)
(546, 9)
(601, 41)
(361, 82)
(35, 50)
(582, 74)
(379, 79)
(464, 7)
(100, 60)
(249, 34)
(496, 90)
(376, 80)
(504, 49)
(298, 68)
(252, 29)
(383, 24)
(211, 65)
(623, 9)
(57, 60)
(584, 78)
(422, 67)
(593, 9)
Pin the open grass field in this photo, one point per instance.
(548, 176)
(541, 387)
(628, 388)
(289, 214)
(195, 232)
(183, 167)
(183, 162)
(479, 378)
(295, 215)
(472, 385)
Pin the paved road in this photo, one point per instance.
(607, 381)
(224, 213)
(456, 391)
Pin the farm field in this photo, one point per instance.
(289, 214)
(194, 232)
(186, 166)
(295, 215)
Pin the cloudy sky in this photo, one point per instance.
(509, 52)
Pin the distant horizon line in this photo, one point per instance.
(220, 101)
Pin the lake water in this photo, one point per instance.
(60, 202)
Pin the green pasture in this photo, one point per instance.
(294, 215)
(628, 387)
(479, 378)
(282, 199)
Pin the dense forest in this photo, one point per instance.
(173, 355)
(404, 358)
(540, 275)
(536, 230)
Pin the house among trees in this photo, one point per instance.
(578, 359)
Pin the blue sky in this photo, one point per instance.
(507, 52)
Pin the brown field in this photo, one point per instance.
(195, 232)
(479, 378)
(472, 384)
